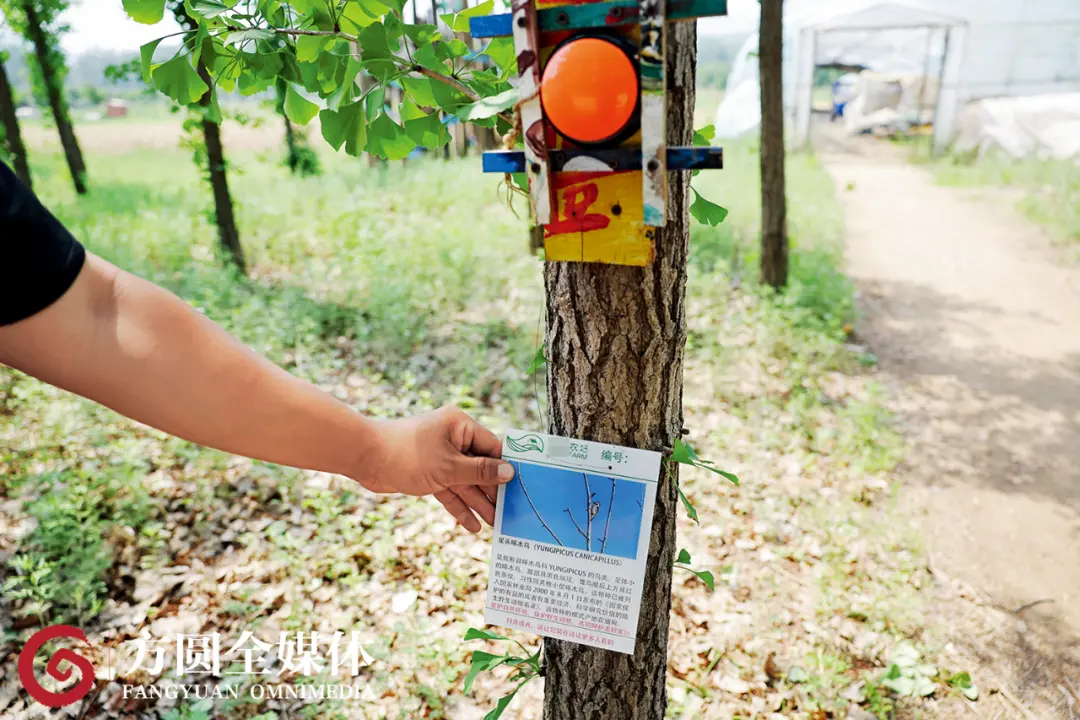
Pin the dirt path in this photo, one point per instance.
(976, 321)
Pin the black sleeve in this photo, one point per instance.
(39, 259)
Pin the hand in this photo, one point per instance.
(444, 453)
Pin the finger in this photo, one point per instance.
(477, 501)
(480, 471)
(481, 441)
(491, 491)
(456, 507)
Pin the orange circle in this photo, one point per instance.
(589, 90)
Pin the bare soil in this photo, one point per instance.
(975, 318)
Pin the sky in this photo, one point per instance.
(103, 24)
(553, 491)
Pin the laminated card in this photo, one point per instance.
(571, 538)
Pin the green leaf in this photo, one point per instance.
(683, 453)
(422, 34)
(146, 53)
(427, 57)
(684, 557)
(962, 682)
(427, 132)
(419, 89)
(178, 80)
(704, 136)
(488, 106)
(459, 22)
(409, 111)
(205, 8)
(539, 360)
(690, 509)
(706, 212)
(480, 634)
(706, 577)
(361, 15)
(375, 102)
(387, 139)
(308, 47)
(298, 108)
(500, 706)
(243, 37)
(501, 51)
(346, 126)
(480, 662)
(345, 90)
(147, 12)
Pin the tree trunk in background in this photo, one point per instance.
(36, 35)
(292, 159)
(12, 135)
(223, 206)
(774, 240)
(615, 338)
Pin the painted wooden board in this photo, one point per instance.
(527, 47)
(653, 113)
(678, 158)
(599, 219)
(594, 15)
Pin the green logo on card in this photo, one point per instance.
(525, 443)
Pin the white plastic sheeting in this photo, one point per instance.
(1038, 126)
(994, 48)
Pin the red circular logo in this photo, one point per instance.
(26, 667)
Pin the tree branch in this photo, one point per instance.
(607, 524)
(521, 479)
(567, 511)
(326, 33)
(588, 513)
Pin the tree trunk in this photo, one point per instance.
(57, 104)
(292, 159)
(223, 206)
(616, 337)
(774, 240)
(12, 135)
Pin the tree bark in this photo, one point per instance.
(223, 206)
(57, 104)
(616, 337)
(774, 240)
(12, 135)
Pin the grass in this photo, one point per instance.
(379, 285)
(1049, 190)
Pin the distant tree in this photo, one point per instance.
(300, 158)
(38, 22)
(212, 153)
(774, 240)
(12, 137)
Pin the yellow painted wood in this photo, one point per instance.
(599, 218)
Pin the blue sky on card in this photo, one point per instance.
(554, 491)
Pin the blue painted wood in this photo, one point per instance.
(593, 15)
(678, 158)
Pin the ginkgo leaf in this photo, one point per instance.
(147, 12)
(178, 79)
(706, 212)
(299, 109)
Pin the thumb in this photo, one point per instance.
(482, 471)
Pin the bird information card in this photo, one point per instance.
(572, 534)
